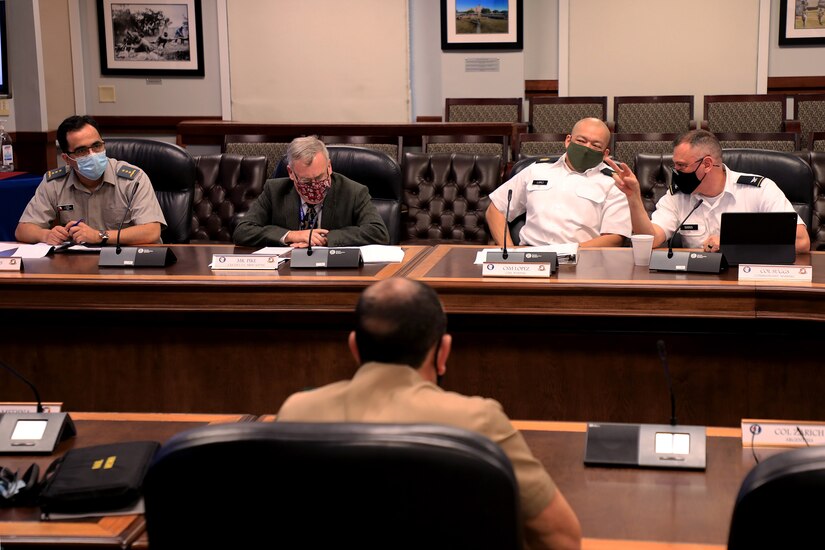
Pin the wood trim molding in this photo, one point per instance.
(145, 124)
(796, 84)
(541, 87)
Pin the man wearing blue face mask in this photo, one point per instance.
(85, 201)
(569, 200)
(699, 173)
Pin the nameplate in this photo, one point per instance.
(11, 264)
(777, 273)
(29, 407)
(782, 433)
(496, 269)
(246, 261)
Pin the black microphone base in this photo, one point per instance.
(30, 433)
(301, 258)
(136, 256)
(688, 262)
(646, 445)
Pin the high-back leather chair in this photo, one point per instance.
(791, 174)
(779, 502)
(378, 171)
(226, 186)
(332, 485)
(446, 196)
(172, 172)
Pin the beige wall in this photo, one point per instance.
(319, 60)
(57, 60)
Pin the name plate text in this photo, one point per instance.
(503, 269)
(11, 264)
(246, 261)
(781, 273)
(782, 433)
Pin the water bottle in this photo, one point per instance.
(7, 153)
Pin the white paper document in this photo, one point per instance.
(379, 253)
(39, 250)
(274, 250)
(567, 253)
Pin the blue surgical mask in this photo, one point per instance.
(92, 166)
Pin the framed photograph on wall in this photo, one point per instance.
(482, 25)
(150, 37)
(801, 22)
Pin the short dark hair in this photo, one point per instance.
(701, 139)
(72, 124)
(398, 321)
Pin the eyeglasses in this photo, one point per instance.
(680, 166)
(96, 147)
(319, 180)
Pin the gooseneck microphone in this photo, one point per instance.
(504, 253)
(660, 345)
(123, 220)
(26, 381)
(670, 240)
(309, 239)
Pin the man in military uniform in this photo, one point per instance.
(698, 171)
(87, 200)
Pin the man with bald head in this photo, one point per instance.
(569, 200)
(401, 344)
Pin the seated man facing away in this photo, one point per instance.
(339, 209)
(567, 201)
(698, 171)
(87, 200)
(401, 343)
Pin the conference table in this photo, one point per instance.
(22, 527)
(580, 345)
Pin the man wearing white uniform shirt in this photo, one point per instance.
(567, 201)
(699, 173)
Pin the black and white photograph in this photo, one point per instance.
(157, 38)
(801, 22)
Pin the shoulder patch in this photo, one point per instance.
(756, 181)
(57, 173)
(545, 160)
(128, 172)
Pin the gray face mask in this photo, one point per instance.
(583, 158)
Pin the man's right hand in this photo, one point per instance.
(300, 239)
(57, 235)
(625, 179)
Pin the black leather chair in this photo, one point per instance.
(779, 503)
(333, 485)
(172, 172)
(226, 186)
(377, 170)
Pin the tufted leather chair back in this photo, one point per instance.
(364, 482)
(378, 171)
(790, 172)
(446, 196)
(226, 186)
(172, 172)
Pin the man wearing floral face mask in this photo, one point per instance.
(569, 200)
(699, 173)
(85, 201)
(314, 200)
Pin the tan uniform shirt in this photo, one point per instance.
(397, 394)
(63, 199)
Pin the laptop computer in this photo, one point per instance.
(758, 237)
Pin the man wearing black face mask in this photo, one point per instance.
(401, 344)
(566, 201)
(698, 172)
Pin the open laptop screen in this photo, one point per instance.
(758, 237)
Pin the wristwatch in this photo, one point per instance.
(104, 237)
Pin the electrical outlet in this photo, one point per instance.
(4, 107)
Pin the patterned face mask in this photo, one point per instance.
(313, 191)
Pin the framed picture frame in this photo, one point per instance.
(801, 23)
(482, 25)
(156, 38)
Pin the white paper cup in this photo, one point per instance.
(642, 248)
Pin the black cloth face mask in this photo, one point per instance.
(686, 182)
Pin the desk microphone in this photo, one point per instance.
(26, 381)
(309, 240)
(504, 253)
(123, 220)
(660, 345)
(670, 240)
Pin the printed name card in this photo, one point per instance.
(11, 264)
(505, 269)
(777, 273)
(782, 433)
(246, 261)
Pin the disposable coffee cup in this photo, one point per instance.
(642, 248)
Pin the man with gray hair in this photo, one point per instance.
(337, 210)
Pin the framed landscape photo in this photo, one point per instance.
(482, 25)
(150, 37)
(801, 22)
